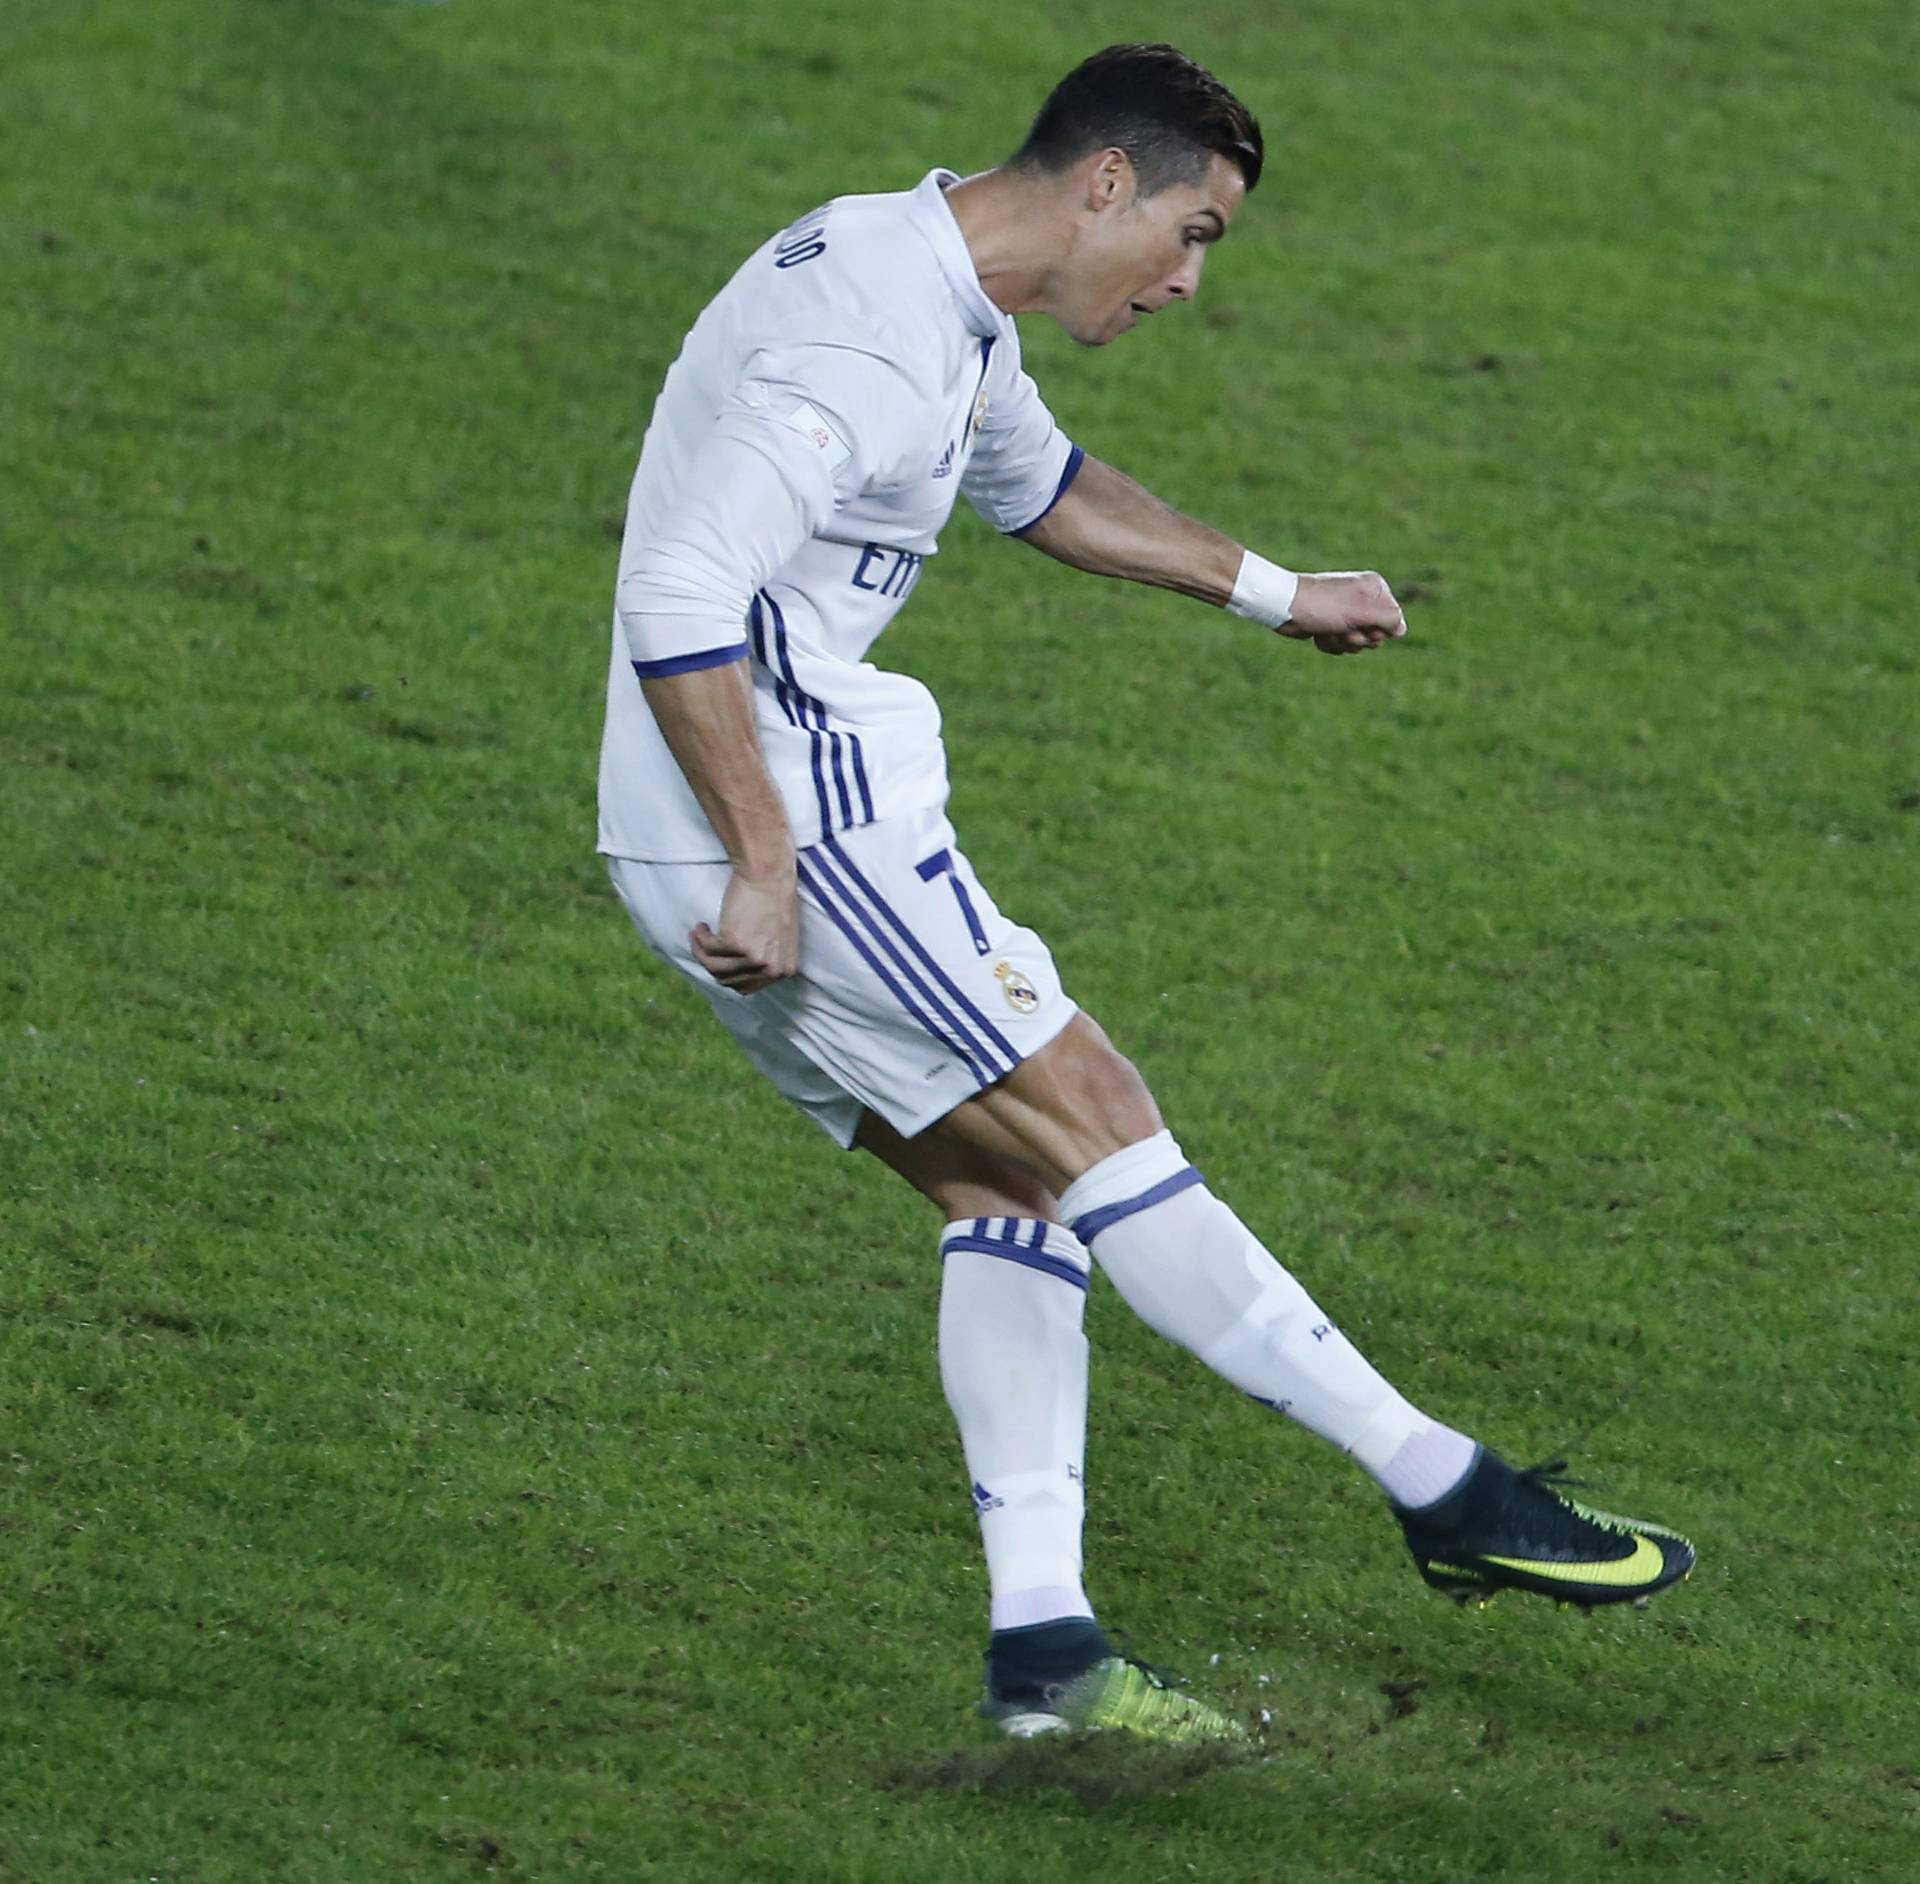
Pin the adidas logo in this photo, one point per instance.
(944, 468)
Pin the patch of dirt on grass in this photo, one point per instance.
(1098, 1770)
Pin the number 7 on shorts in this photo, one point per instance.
(941, 864)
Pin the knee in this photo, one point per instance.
(1117, 1092)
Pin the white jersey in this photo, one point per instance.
(802, 457)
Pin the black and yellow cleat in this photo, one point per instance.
(1120, 1696)
(1068, 1677)
(1507, 1530)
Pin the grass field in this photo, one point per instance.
(458, 1424)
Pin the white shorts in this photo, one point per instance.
(914, 992)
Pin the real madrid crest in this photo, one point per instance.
(1021, 994)
(979, 412)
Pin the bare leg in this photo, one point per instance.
(1080, 1115)
(1072, 1104)
(963, 1179)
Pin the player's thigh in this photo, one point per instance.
(914, 990)
(1063, 1111)
(917, 1000)
(1073, 1097)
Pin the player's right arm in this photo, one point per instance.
(788, 446)
(706, 717)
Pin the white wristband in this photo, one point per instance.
(1264, 592)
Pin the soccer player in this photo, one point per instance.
(772, 809)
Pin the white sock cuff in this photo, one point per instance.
(1125, 1182)
(1429, 1464)
(1032, 1242)
(1026, 1609)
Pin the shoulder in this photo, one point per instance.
(852, 273)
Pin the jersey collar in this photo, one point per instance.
(935, 221)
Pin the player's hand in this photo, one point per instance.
(758, 940)
(1345, 611)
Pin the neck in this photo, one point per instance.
(1015, 233)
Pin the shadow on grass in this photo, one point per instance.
(1095, 1769)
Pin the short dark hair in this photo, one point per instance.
(1171, 116)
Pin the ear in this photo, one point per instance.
(1111, 183)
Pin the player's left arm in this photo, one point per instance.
(1107, 524)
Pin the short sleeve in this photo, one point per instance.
(859, 408)
(1022, 462)
(800, 436)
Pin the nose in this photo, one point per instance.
(1186, 283)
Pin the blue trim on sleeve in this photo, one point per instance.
(1075, 459)
(690, 663)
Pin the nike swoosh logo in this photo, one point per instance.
(1646, 1562)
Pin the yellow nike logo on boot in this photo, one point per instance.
(1646, 1562)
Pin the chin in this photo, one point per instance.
(1084, 336)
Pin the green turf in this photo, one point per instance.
(457, 1423)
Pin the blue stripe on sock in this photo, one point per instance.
(1088, 1227)
(1042, 1260)
(817, 889)
(1039, 1235)
(988, 1031)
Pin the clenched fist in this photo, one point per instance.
(1345, 611)
(758, 941)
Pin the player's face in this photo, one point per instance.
(1137, 253)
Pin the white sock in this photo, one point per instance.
(1192, 1271)
(1013, 1361)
